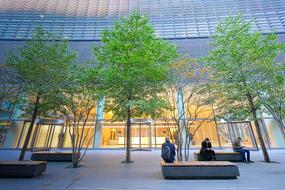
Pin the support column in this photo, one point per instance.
(182, 113)
(99, 122)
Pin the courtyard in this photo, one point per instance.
(108, 75)
(102, 170)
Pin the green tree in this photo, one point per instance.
(272, 93)
(185, 97)
(235, 64)
(77, 103)
(41, 66)
(134, 66)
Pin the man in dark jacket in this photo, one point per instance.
(168, 151)
(206, 151)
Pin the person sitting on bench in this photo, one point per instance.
(238, 148)
(206, 152)
(168, 151)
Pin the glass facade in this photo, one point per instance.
(85, 19)
(186, 23)
(146, 134)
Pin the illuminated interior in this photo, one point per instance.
(188, 24)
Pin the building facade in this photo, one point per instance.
(186, 23)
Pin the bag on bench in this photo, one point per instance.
(165, 153)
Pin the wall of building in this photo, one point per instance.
(195, 47)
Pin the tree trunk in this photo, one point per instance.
(179, 145)
(257, 126)
(30, 130)
(187, 144)
(128, 147)
(75, 160)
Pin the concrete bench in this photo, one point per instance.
(22, 168)
(223, 156)
(200, 170)
(52, 156)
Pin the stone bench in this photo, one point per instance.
(223, 156)
(52, 156)
(22, 168)
(200, 170)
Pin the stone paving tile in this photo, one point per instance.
(102, 170)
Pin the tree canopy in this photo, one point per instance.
(238, 65)
(41, 66)
(134, 64)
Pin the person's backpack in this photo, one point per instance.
(165, 154)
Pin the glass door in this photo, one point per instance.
(47, 134)
(141, 135)
(228, 133)
(224, 135)
(4, 125)
(43, 137)
(243, 130)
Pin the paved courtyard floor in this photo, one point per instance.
(102, 170)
